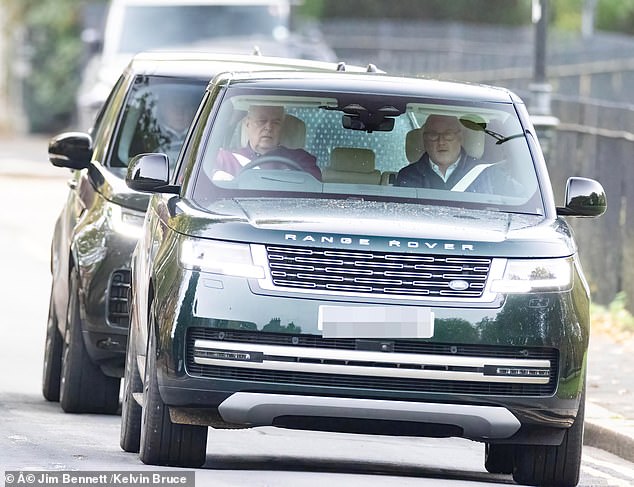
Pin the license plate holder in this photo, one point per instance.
(376, 321)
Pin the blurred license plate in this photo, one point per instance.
(376, 322)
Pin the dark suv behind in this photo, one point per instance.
(384, 293)
(148, 110)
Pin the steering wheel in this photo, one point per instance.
(269, 159)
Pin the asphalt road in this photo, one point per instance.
(37, 435)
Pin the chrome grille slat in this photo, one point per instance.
(314, 351)
(376, 272)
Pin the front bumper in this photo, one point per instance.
(105, 283)
(225, 344)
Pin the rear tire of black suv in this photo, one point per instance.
(164, 442)
(52, 365)
(552, 465)
(130, 438)
(84, 388)
(498, 458)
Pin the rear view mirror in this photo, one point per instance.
(354, 122)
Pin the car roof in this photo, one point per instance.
(377, 83)
(208, 64)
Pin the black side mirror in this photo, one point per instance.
(584, 197)
(150, 173)
(70, 149)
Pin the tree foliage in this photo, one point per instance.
(610, 15)
(616, 15)
(512, 12)
(52, 48)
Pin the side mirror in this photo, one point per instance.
(150, 173)
(584, 197)
(70, 149)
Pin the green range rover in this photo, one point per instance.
(359, 253)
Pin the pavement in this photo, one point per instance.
(609, 422)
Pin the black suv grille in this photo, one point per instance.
(369, 382)
(118, 311)
(377, 272)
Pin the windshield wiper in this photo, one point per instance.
(482, 127)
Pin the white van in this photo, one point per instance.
(236, 26)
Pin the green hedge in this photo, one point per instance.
(54, 52)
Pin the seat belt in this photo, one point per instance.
(471, 176)
(224, 175)
(243, 160)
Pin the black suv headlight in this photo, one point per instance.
(216, 257)
(535, 275)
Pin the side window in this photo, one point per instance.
(189, 157)
(106, 120)
(156, 117)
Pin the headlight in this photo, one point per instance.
(229, 259)
(538, 275)
(126, 221)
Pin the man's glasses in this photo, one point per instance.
(446, 136)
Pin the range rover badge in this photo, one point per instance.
(459, 285)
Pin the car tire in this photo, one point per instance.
(52, 365)
(547, 465)
(84, 388)
(498, 458)
(130, 437)
(164, 442)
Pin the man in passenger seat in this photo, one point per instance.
(444, 164)
(264, 126)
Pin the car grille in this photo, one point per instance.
(384, 273)
(118, 310)
(231, 371)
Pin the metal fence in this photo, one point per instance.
(592, 98)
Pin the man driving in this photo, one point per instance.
(264, 125)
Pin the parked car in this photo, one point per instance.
(148, 110)
(226, 26)
(268, 294)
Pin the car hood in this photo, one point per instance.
(378, 226)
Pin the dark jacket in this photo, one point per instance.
(420, 175)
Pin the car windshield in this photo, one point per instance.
(147, 27)
(368, 147)
(156, 117)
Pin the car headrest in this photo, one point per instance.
(293, 132)
(414, 147)
(472, 142)
(351, 159)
